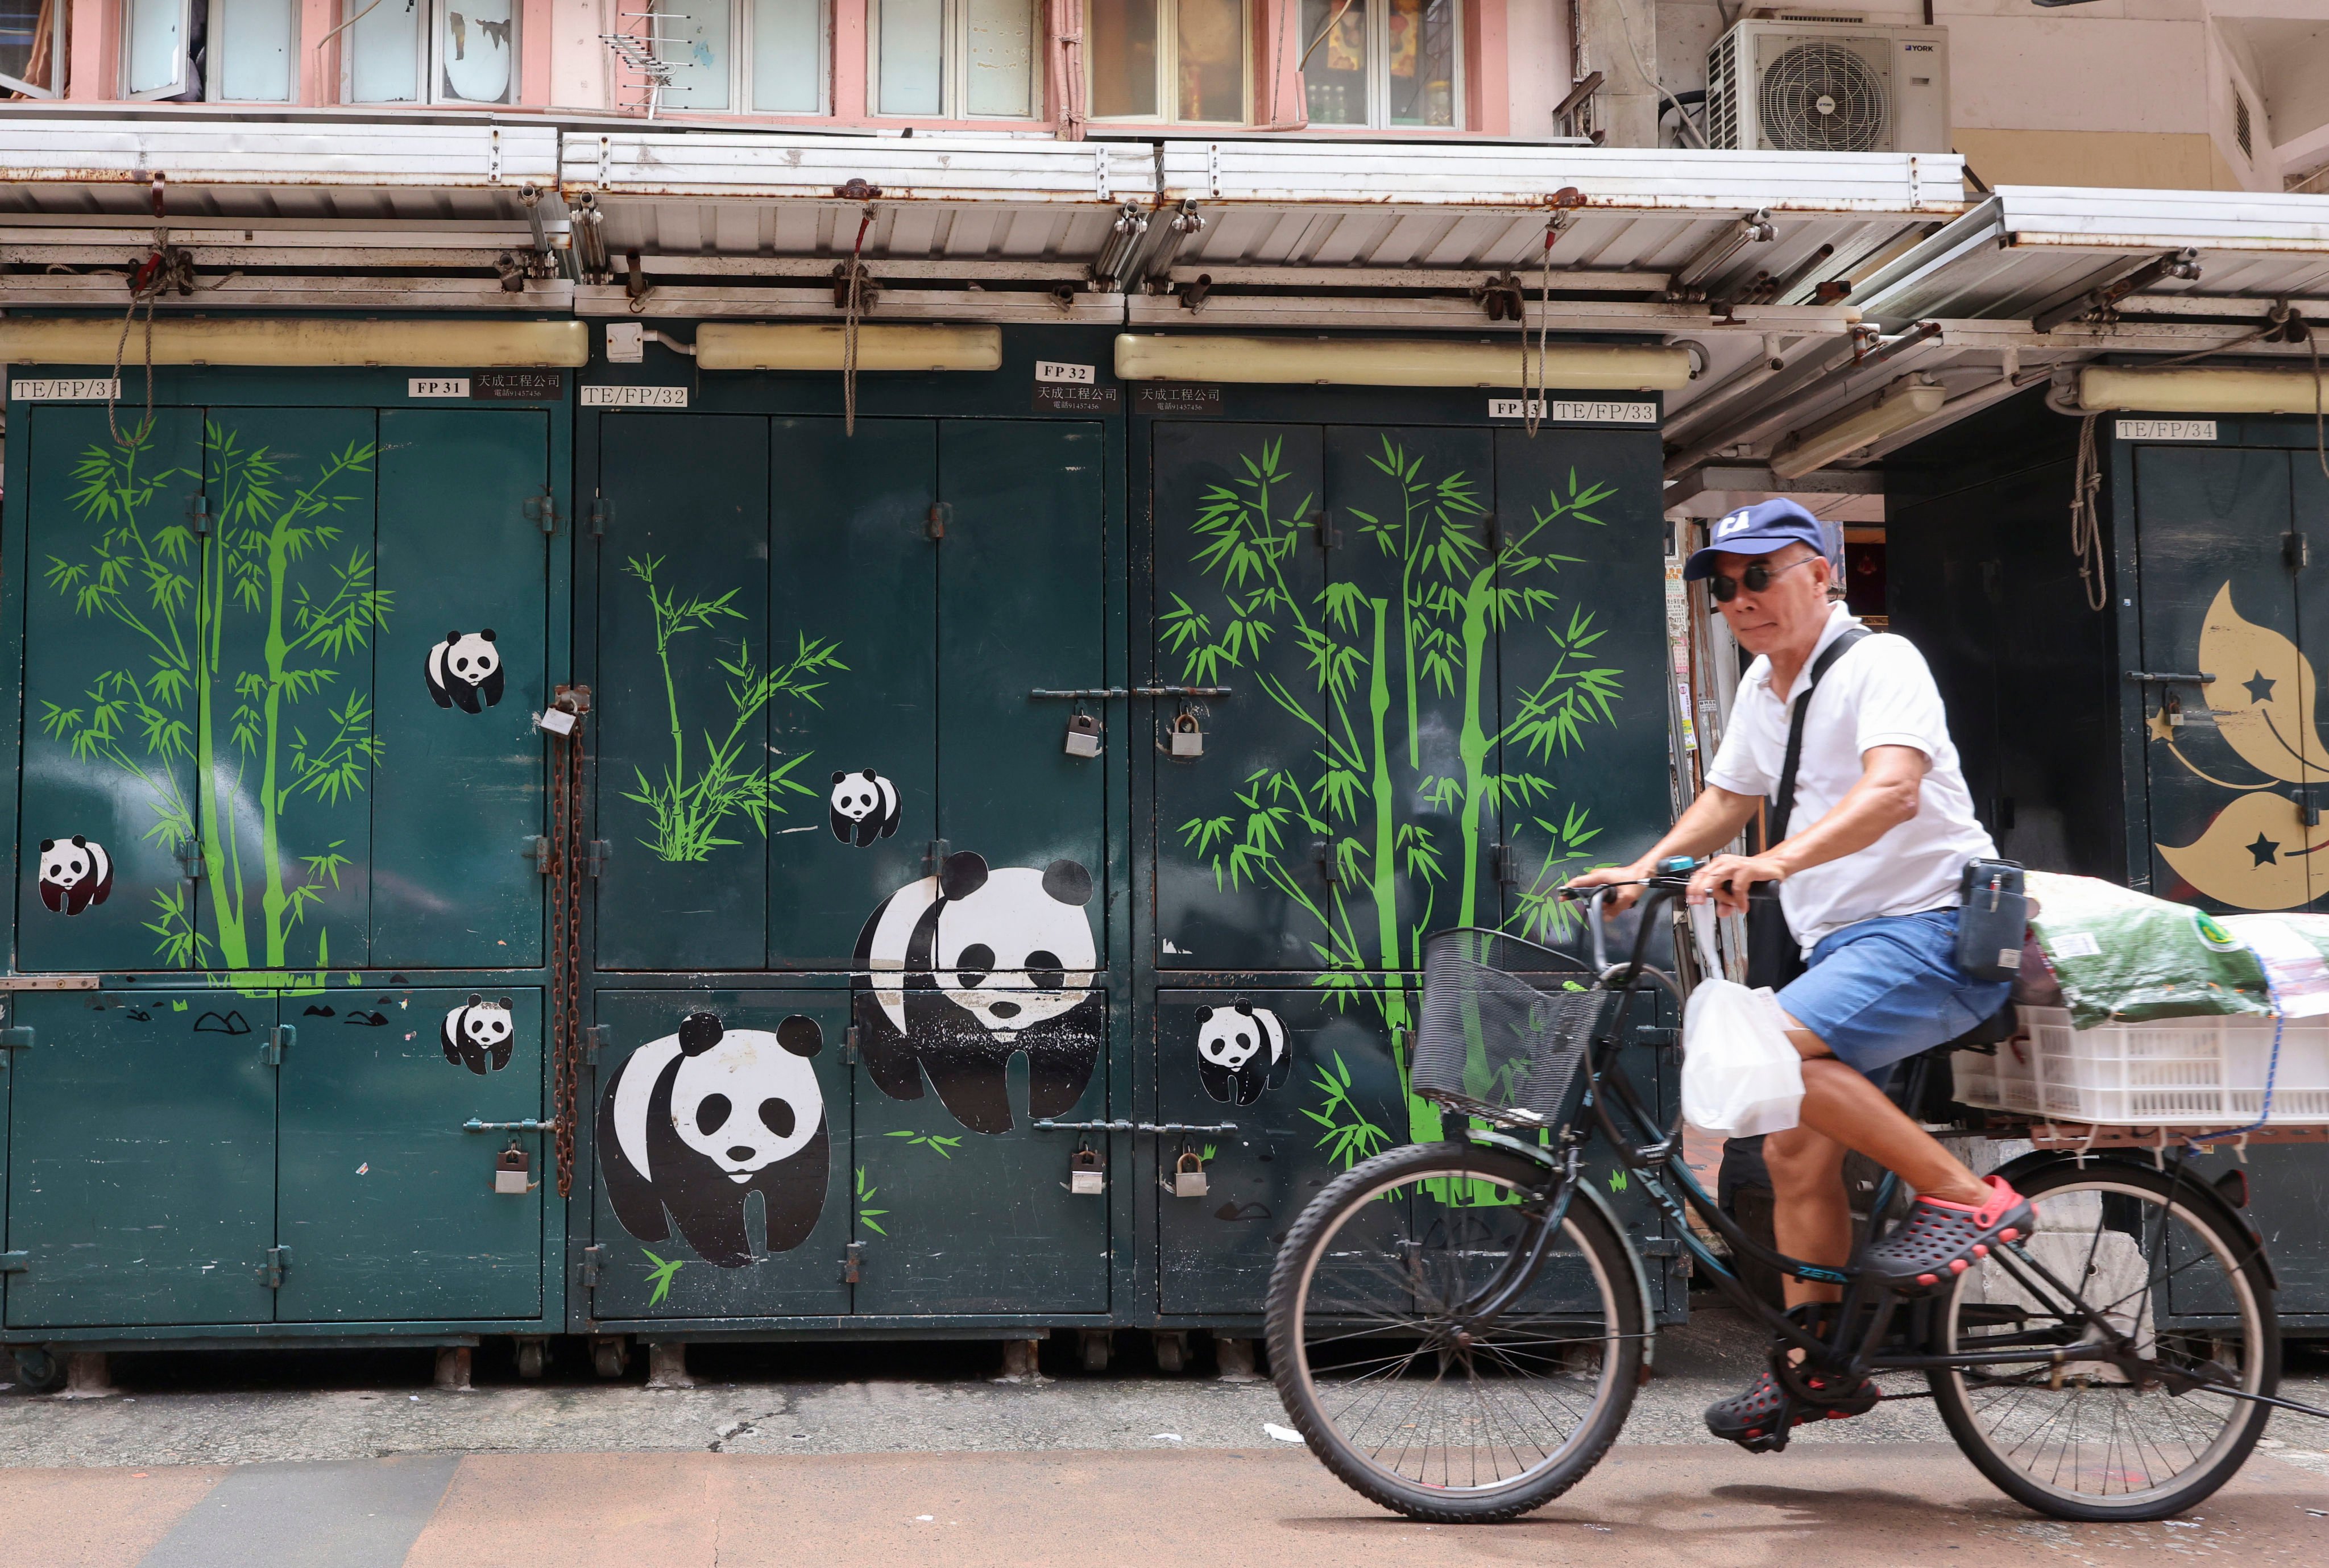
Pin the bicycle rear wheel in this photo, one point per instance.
(1440, 1417)
(2099, 1440)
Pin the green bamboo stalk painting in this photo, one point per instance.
(690, 804)
(223, 640)
(1430, 643)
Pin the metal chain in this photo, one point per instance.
(567, 856)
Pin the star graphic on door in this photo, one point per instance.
(2266, 851)
(2259, 689)
(2161, 727)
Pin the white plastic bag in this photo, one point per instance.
(1740, 1074)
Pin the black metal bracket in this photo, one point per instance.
(2169, 678)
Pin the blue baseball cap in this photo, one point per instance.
(1757, 530)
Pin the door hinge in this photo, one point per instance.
(934, 858)
(853, 1264)
(849, 1057)
(596, 1038)
(934, 523)
(2308, 803)
(542, 509)
(198, 516)
(2296, 554)
(1506, 860)
(191, 864)
(277, 1265)
(1323, 530)
(537, 846)
(15, 1262)
(1323, 853)
(280, 1038)
(594, 1260)
(602, 512)
(594, 861)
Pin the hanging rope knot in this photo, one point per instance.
(164, 268)
(854, 292)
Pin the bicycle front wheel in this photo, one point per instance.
(2113, 1440)
(1390, 1371)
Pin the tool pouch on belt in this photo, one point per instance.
(1992, 913)
(1773, 955)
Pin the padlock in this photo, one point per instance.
(1086, 1179)
(511, 1169)
(1188, 740)
(1189, 1176)
(1083, 735)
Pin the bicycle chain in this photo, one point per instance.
(567, 854)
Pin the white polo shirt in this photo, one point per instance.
(1878, 692)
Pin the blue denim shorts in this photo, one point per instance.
(1879, 992)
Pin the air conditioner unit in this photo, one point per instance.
(1799, 86)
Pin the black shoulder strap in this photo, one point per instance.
(1785, 807)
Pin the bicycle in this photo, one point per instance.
(1458, 1328)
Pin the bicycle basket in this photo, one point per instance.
(1505, 1026)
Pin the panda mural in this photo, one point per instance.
(1242, 1052)
(958, 971)
(465, 671)
(478, 1035)
(696, 1122)
(864, 807)
(75, 873)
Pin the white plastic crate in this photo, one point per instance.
(2203, 1072)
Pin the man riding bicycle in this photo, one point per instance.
(1869, 884)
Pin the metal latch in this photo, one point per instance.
(594, 861)
(2308, 803)
(596, 1038)
(594, 1259)
(280, 1038)
(15, 1262)
(853, 1263)
(1323, 853)
(542, 509)
(1323, 529)
(1655, 1035)
(191, 864)
(198, 516)
(849, 1046)
(934, 857)
(277, 1265)
(934, 523)
(602, 512)
(1506, 860)
(19, 1038)
(537, 846)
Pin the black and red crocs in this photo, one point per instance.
(1940, 1240)
(1760, 1419)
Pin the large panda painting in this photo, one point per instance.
(960, 971)
(696, 1122)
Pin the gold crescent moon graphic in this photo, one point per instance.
(2262, 695)
(2253, 855)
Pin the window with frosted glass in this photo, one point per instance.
(1121, 39)
(912, 41)
(383, 51)
(1209, 60)
(1000, 57)
(789, 56)
(696, 39)
(154, 47)
(476, 50)
(1421, 52)
(1334, 74)
(252, 44)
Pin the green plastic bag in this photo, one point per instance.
(2121, 956)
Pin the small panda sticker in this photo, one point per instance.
(76, 873)
(465, 671)
(864, 807)
(696, 1122)
(478, 1035)
(1242, 1052)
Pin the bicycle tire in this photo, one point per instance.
(1585, 1225)
(2248, 1290)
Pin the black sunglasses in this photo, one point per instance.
(1757, 577)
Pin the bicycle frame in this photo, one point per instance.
(1653, 1152)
